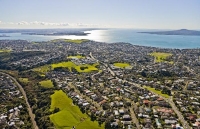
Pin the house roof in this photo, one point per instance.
(146, 101)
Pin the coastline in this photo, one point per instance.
(120, 35)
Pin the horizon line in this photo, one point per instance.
(92, 28)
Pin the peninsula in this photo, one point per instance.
(3, 35)
(58, 33)
(176, 32)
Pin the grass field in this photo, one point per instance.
(24, 80)
(34, 43)
(76, 57)
(156, 91)
(70, 65)
(161, 56)
(46, 84)
(78, 41)
(42, 69)
(1, 50)
(69, 114)
(122, 65)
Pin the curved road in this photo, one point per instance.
(170, 101)
(24, 94)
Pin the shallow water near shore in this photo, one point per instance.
(122, 35)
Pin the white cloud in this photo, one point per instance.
(87, 25)
(50, 24)
(23, 23)
(43, 23)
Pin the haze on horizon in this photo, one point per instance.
(145, 14)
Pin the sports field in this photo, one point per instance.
(76, 57)
(77, 41)
(79, 68)
(46, 84)
(161, 56)
(122, 65)
(69, 64)
(1, 50)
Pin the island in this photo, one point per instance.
(176, 32)
(3, 35)
(48, 32)
(58, 33)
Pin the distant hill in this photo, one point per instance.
(176, 32)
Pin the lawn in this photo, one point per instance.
(156, 91)
(34, 43)
(69, 64)
(161, 56)
(42, 69)
(122, 65)
(79, 68)
(86, 68)
(76, 57)
(77, 41)
(69, 114)
(1, 50)
(24, 80)
(46, 84)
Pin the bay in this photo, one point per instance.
(122, 35)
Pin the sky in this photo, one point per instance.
(144, 14)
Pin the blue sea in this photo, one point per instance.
(122, 35)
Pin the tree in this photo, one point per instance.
(99, 122)
(93, 116)
(56, 110)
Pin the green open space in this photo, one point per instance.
(46, 84)
(156, 91)
(42, 69)
(67, 64)
(79, 68)
(161, 56)
(122, 65)
(24, 80)
(76, 57)
(77, 41)
(2, 50)
(35, 43)
(69, 115)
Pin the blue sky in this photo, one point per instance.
(148, 14)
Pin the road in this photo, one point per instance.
(85, 96)
(92, 56)
(92, 77)
(170, 101)
(32, 116)
(133, 116)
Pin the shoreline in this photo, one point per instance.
(105, 43)
(118, 36)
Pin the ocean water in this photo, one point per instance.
(123, 35)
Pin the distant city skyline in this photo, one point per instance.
(138, 14)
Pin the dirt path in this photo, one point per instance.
(28, 106)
